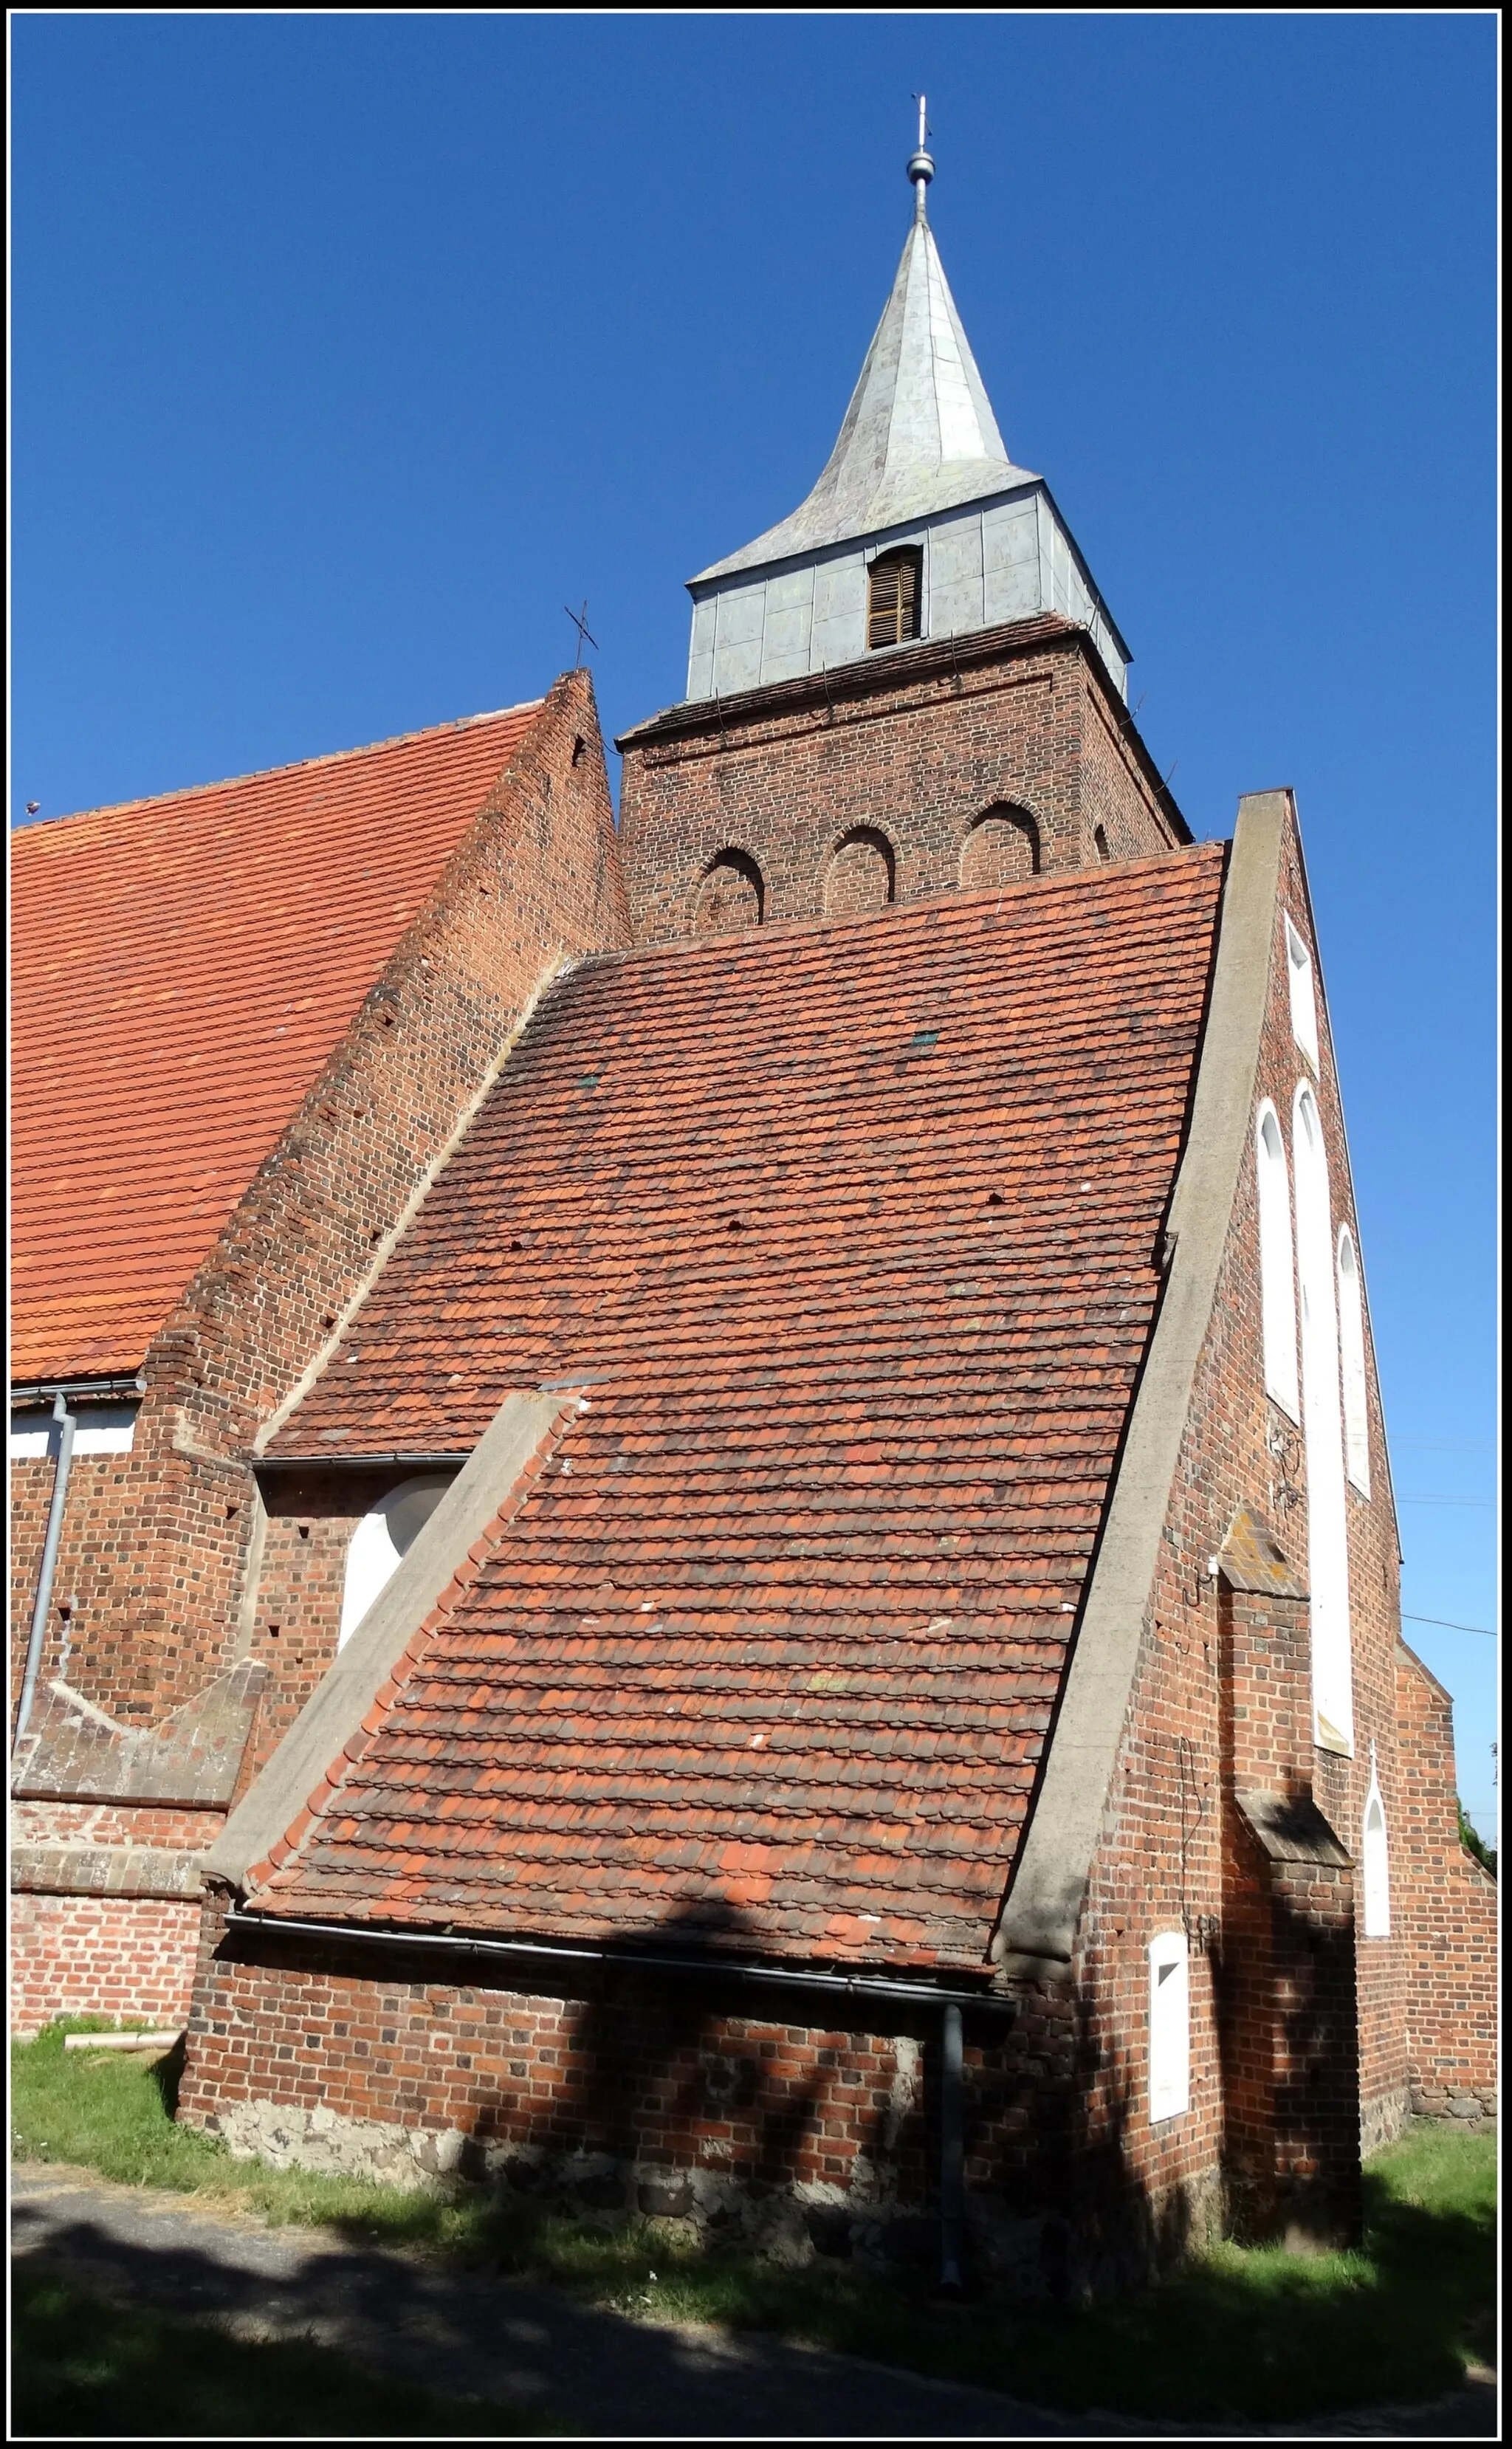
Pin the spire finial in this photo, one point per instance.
(921, 168)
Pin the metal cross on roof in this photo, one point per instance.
(585, 637)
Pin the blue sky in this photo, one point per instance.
(348, 350)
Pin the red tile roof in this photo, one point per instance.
(182, 968)
(855, 1226)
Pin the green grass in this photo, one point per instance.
(1237, 2333)
(86, 2368)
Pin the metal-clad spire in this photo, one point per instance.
(920, 434)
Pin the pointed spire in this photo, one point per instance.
(920, 434)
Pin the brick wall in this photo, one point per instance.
(679, 2098)
(1443, 1906)
(1278, 1969)
(125, 1957)
(903, 756)
(45, 1822)
(156, 1585)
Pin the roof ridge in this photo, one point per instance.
(267, 773)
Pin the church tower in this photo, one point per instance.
(910, 685)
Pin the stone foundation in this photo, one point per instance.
(1470, 2107)
(793, 2224)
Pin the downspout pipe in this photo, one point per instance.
(952, 2155)
(50, 1564)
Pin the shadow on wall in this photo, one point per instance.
(1001, 847)
(678, 2096)
(860, 874)
(727, 2105)
(731, 894)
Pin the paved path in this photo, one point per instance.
(600, 2374)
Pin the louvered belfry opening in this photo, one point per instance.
(896, 592)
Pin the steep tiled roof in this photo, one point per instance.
(182, 968)
(854, 1228)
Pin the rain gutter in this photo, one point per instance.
(410, 1461)
(631, 1960)
(80, 1390)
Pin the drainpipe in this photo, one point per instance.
(952, 2154)
(50, 1564)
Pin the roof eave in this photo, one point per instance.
(890, 507)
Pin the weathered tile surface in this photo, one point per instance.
(855, 1230)
(183, 967)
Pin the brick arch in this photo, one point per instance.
(731, 894)
(860, 874)
(1001, 847)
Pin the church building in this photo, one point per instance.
(704, 1526)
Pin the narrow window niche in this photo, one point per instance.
(1352, 1365)
(895, 597)
(1001, 847)
(1323, 1433)
(1304, 995)
(1170, 2027)
(860, 874)
(731, 895)
(1375, 1862)
(1278, 1287)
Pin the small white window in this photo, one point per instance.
(1278, 1290)
(99, 1428)
(1351, 1364)
(1375, 1862)
(1304, 1000)
(380, 1542)
(1170, 2027)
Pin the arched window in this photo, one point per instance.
(1375, 1862)
(380, 1542)
(1328, 1526)
(1100, 843)
(1278, 1290)
(1351, 1361)
(1170, 2027)
(730, 895)
(860, 873)
(1304, 996)
(1001, 848)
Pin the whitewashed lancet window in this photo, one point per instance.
(1322, 1435)
(1170, 2027)
(1352, 1360)
(1375, 1862)
(381, 1541)
(1278, 1287)
(1304, 995)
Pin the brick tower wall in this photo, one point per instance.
(888, 768)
